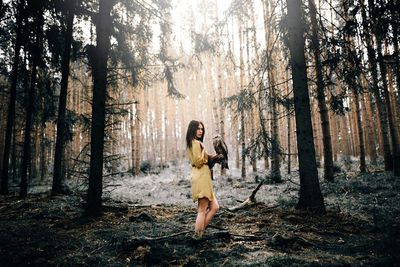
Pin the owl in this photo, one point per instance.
(221, 148)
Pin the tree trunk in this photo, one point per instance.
(43, 161)
(310, 193)
(370, 133)
(275, 157)
(219, 71)
(344, 144)
(221, 108)
(271, 70)
(252, 122)
(392, 94)
(389, 111)
(289, 126)
(103, 32)
(213, 95)
(354, 83)
(350, 125)
(355, 127)
(323, 111)
(59, 149)
(275, 146)
(258, 85)
(12, 99)
(375, 90)
(35, 148)
(26, 158)
(363, 168)
(137, 138)
(333, 119)
(242, 125)
(261, 100)
(264, 131)
(132, 116)
(396, 53)
(14, 161)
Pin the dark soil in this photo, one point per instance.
(361, 228)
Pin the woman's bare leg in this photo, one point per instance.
(201, 216)
(214, 207)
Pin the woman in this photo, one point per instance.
(202, 190)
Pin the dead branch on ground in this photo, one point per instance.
(250, 200)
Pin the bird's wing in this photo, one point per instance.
(215, 145)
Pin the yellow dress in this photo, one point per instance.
(200, 174)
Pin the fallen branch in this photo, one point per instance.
(251, 237)
(140, 241)
(290, 180)
(159, 238)
(254, 237)
(251, 200)
(247, 202)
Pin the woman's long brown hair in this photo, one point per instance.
(191, 132)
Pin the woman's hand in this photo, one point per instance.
(203, 149)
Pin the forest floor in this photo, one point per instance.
(148, 220)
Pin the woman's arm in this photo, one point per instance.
(199, 155)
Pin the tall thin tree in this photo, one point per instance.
(12, 99)
(37, 10)
(310, 193)
(323, 111)
(242, 115)
(388, 159)
(103, 32)
(389, 111)
(59, 150)
(271, 61)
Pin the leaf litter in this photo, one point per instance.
(148, 221)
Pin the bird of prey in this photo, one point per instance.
(221, 148)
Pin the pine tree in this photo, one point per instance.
(310, 194)
(12, 99)
(323, 111)
(59, 148)
(36, 10)
(381, 111)
(100, 57)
